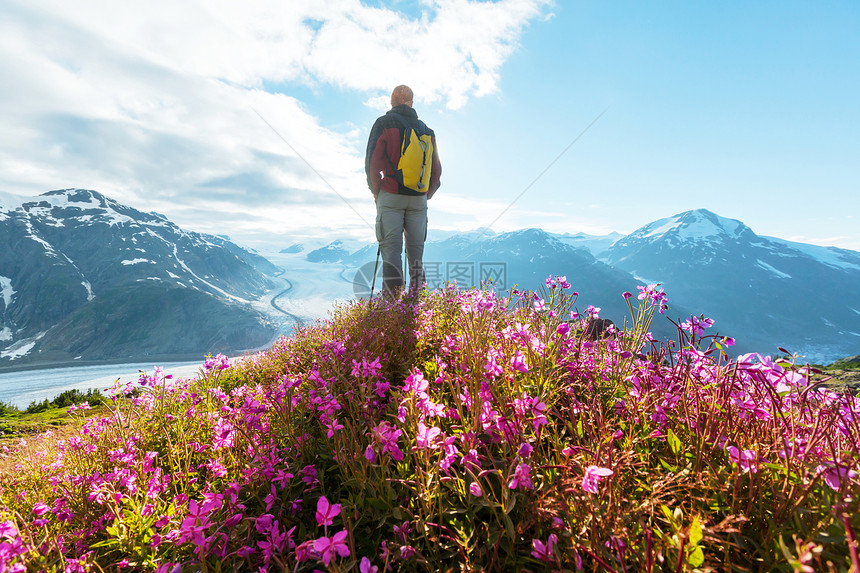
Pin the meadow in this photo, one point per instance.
(452, 431)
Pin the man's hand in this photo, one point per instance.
(431, 193)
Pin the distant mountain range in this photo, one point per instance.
(83, 277)
(765, 292)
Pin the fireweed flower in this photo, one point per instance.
(835, 474)
(402, 531)
(427, 437)
(696, 325)
(309, 474)
(521, 478)
(745, 460)
(518, 362)
(475, 489)
(525, 450)
(326, 512)
(220, 362)
(366, 567)
(328, 546)
(657, 296)
(223, 434)
(40, 509)
(593, 476)
(386, 436)
(545, 552)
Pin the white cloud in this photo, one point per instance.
(156, 103)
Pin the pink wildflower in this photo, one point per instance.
(834, 475)
(696, 325)
(328, 546)
(370, 454)
(427, 436)
(521, 478)
(746, 459)
(326, 512)
(525, 450)
(545, 552)
(40, 509)
(518, 362)
(593, 476)
(366, 567)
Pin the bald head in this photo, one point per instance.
(402, 95)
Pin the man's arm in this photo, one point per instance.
(373, 178)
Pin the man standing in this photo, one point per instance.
(403, 172)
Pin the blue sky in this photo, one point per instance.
(746, 109)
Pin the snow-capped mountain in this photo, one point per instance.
(597, 245)
(82, 276)
(522, 259)
(766, 292)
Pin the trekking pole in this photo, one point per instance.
(373, 282)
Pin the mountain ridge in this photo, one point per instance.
(764, 292)
(74, 251)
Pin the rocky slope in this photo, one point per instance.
(84, 277)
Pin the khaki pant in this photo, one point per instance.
(398, 216)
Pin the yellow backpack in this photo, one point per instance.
(416, 157)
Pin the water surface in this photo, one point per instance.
(26, 386)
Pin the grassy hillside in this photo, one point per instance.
(455, 432)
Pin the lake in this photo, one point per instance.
(21, 388)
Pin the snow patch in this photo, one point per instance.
(5, 334)
(693, 225)
(193, 274)
(662, 226)
(6, 290)
(135, 261)
(777, 272)
(830, 256)
(32, 235)
(643, 280)
(854, 309)
(10, 202)
(22, 347)
(89, 287)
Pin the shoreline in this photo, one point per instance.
(53, 365)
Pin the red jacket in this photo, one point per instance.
(383, 153)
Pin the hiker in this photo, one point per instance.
(403, 172)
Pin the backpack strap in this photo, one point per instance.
(406, 127)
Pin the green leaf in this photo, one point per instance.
(667, 466)
(695, 531)
(509, 526)
(697, 557)
(674, 441)
(668, 513)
